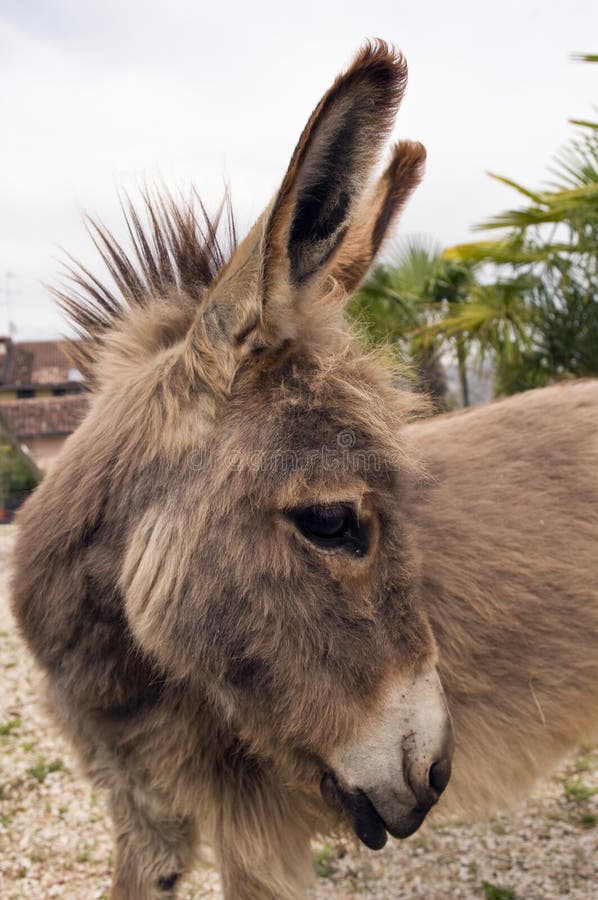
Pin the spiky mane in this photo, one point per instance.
(176, 251)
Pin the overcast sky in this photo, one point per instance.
(104, 94)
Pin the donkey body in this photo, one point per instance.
(257, 592)
(507, 527)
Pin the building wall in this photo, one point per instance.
(45, 449)
(9, 395)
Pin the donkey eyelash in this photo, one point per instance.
(333, 526)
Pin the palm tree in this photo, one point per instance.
(399, 303)
(526, 300)
(538, 315)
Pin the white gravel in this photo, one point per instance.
(55, 836)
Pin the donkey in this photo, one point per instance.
(264, 602)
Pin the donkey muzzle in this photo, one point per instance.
(388, 778)
(401, 820)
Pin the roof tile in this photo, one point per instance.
(44, 416)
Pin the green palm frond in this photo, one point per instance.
(556, 207)
(584, 123)
(533, 195)
(585, 57)
(571, 198)
(576, 165)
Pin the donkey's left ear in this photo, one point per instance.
(376, 215)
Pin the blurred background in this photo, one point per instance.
(98, 97)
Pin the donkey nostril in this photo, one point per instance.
(439, 775)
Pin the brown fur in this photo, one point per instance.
(202, 655)
(508, 528)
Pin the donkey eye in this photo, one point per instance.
(325, 521)
(331, 525)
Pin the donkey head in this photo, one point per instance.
(272, 564)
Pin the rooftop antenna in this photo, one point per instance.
(9, 292)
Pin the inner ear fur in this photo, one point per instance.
(331, 166)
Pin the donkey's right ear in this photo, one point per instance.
(329, 170)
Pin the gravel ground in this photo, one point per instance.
(55, 838)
